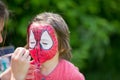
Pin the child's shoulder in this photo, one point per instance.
(71, 70)
(66, 64)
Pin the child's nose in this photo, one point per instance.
(37, 46)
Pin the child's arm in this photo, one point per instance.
(6, 74)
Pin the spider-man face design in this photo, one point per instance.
(43, 43)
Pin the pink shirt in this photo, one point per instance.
(63, 71)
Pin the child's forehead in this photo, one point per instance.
(40, 26)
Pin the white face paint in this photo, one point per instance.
(32, 41)
(46, 41)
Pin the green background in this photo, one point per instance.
(94, 27)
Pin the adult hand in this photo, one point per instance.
(33, 73)
(20, 63)
(30, 74)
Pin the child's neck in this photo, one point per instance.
(50, 65)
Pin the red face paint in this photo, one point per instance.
(43, 43)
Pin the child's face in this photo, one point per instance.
(43, 43)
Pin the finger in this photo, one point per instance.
(26, 54)
(21, 52)
(30, 72)
(32, 66)
(15, 52)
(29, 77)
(29, 58)
(31, 69)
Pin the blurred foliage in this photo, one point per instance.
(94, 26)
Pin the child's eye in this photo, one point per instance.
(32, 42)
(44, 43)
(46, 40)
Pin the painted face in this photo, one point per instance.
(43, 43)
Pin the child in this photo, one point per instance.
(48, 42)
